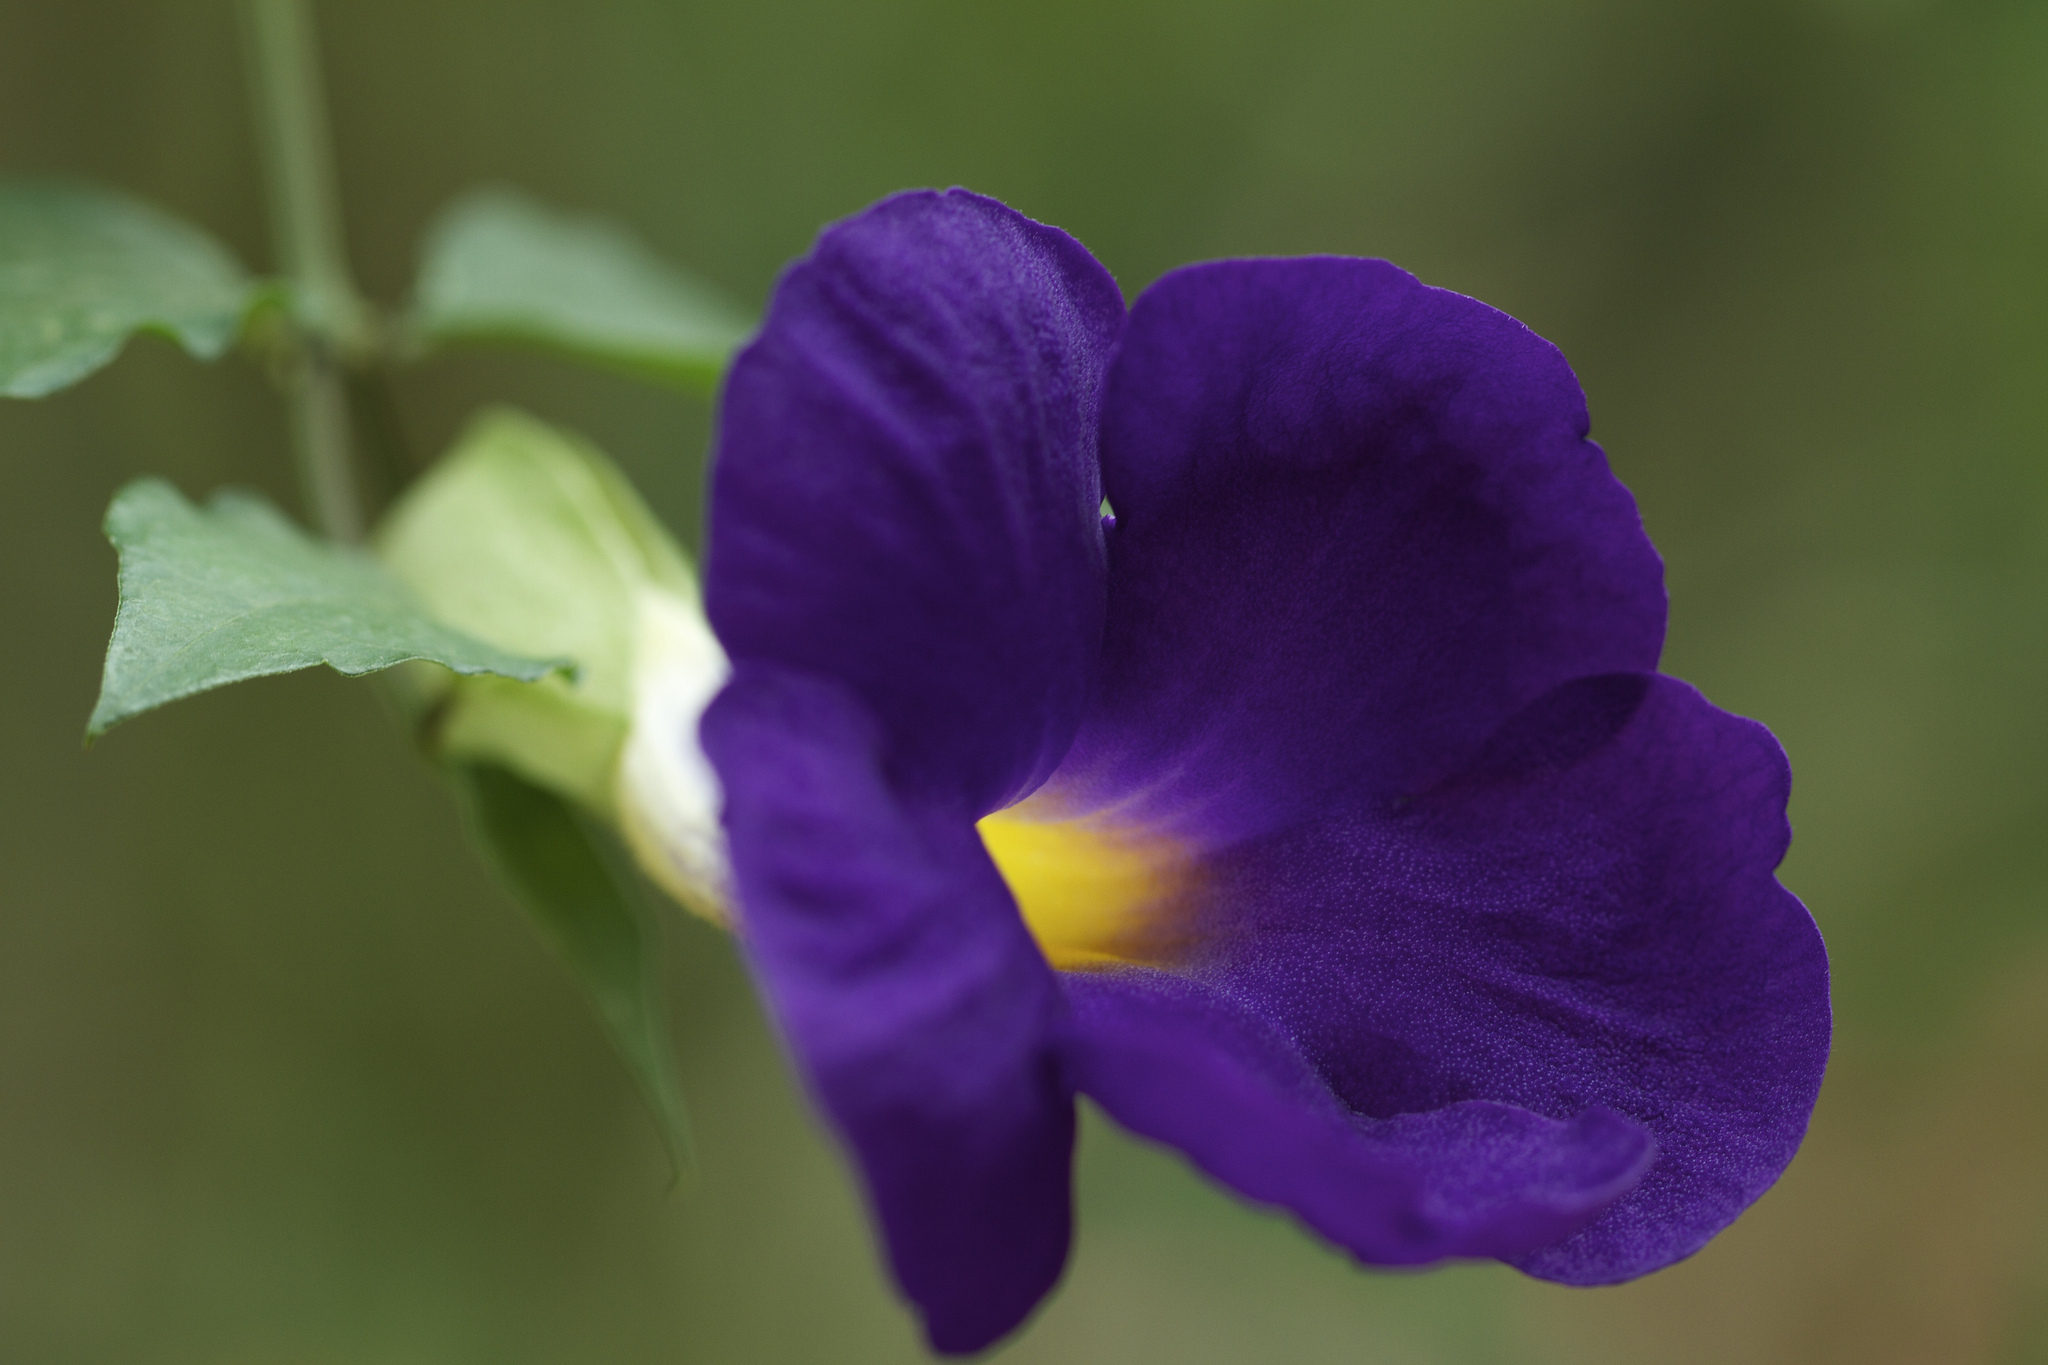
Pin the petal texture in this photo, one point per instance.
(917, 1006)
(906, 495)
(906, 566)
(1180, 1061)
(1582, 925)
(1486, 956)
(1358, 526)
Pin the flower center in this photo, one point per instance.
(1092, 895)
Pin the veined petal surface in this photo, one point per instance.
(1180, 1060)
(906, 495)
(918, 1008)
(906, 568)
(1438, 918)
(1582, 922)
(1358, 526)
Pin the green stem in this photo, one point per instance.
(333, 322)
(321, 448)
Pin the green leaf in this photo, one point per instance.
(499, 267)
(232, 591)
(82, 269)
(578, 898)
(531, 539)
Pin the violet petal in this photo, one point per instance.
(1180, 1061)
(1358, 526)
(1585, 919)
(906, 494)
(916, 1006)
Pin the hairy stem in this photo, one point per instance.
(333, 323)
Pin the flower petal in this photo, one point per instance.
(1584, 920)
(906, 495)
(1358, 526)
(917, 1006)
(1177, 1060)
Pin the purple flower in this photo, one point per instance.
(1361, 853)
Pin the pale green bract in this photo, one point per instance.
(531, 539)
(82, 269)
(231, 591)
(498, 267)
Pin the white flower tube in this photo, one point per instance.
(668, 797)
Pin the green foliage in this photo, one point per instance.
(534, 542)
(499, 267)
(234, 590)
(555, 864)
(82, 269)
(531, 539)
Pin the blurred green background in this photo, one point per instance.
(285, 1078)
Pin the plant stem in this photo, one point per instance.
(333, 323)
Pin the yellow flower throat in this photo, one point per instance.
(1091, 895)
